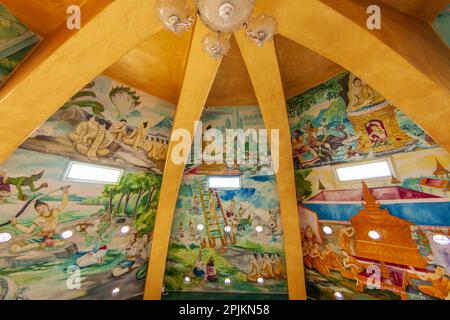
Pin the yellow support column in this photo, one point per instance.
(198, 79)
(262, 65)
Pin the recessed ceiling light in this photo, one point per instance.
(5, 237)
(67, 234)
(374, 235)
(339, 296)
(442, 240)
(260, 280)
(227, 281)
(187, 279)
(200, 227)
(259, 229)
(227, 229)
(327, 230)
(115, 291)
(125, 229)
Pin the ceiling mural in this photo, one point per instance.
(16, 42)
(345, 120)
(62, 238)
(72, 240)
(229, 118)
(110, 123)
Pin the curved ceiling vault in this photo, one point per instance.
(319, 32)
(405, 61)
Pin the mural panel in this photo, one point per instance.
(72, 240)
(110, 123)
(215, 245)
(61, 239)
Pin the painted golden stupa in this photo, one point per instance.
(374, 116)
(395, 244)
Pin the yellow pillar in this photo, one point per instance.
(262, 65)
(198, 79)
(66, 61)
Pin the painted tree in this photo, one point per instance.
(135, 195)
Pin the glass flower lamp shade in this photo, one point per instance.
(225, 16)
(262, 29)
(176, 15)
(216, 45)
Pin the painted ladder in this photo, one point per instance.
(214, 229)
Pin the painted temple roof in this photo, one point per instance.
(382, 193)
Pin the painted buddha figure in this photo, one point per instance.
(361, 95)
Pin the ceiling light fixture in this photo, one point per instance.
(221, 17)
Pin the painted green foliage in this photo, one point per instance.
(304, 186)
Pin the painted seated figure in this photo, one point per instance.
(266, 268)
(47, 220)
(211, 273)
(5, 189)
(199, 268)
(277, 266)
(331, 259)
(439, 286)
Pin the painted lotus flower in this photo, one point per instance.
(124, 99)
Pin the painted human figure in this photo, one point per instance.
(345, 236)
(195, 210)
(5, 189)
(231, 209)
(351, 268)
(439, 286)
(277, 266)
(318, 260)
(81, 130)
(307, 260)
(302, 151)
(254, 267)
(119, 130)
(192, 231)
(91, 133)
(181, 230)
(48, 220)
(266, 268)
(136, 137)
(377, 133)
(361, 94)
(213, 207)
(199, 267)
(211, 273)
(331, 259)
